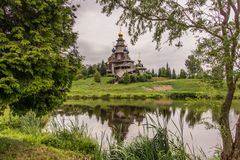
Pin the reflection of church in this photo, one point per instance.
(119, 62)
(119, 118)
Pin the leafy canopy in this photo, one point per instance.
(35, 68)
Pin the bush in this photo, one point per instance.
(133, 78)
(111, 81)
(147, 75)
(97, 77)
(142, 78)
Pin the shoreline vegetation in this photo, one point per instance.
(72, 142)
(157, 88)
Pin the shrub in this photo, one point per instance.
(147, 75)
(97, 77)
(111, 81)
(133, 78)
(142, 78)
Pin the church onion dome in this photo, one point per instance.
(113, 50)
(139, 64)
(120, 34)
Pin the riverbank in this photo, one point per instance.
(157, 88)
(22, 138)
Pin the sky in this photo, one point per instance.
(97, 32)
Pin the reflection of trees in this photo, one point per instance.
(119, 118)
(193, 117)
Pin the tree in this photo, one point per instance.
(35, 60)
(153, 73)
(193, 65)
(174, 76)
(163, 72)
(97, 77)
(159, 72)
(103, 69)
(217, 19)
(90, 70)
(183, 74)
(168, 71)
(84, 71)
(126, 78)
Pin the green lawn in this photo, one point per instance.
(178, 88)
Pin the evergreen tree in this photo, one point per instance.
(159, 72)
(84, 71)
(174, 76)
(97, 76)
(126, 78)
(163, 72)
(103, 69)
(95, 68)
(153, 73)
(168, 71)
(183, 74)
(90, 70)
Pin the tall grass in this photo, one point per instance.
(70, 137)
(164, 145)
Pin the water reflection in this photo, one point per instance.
(124, 121)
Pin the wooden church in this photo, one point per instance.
(120, 62)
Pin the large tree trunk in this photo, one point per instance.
(231, 148)
(236, 145)
(224, 125)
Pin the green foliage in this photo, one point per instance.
(71, 140)
(34, 72)
(193, 65)
(97, 77)
(168, 71)
(153, 73)
(147, 75)
(30, 124)
(145, 148)
(183, 74)
(174, 76)
(103, 69)
(142, 78)
(126, 78)
(159, 72)
(162, 72)
(133, 78)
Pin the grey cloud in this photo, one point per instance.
(96, 33)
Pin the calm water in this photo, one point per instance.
(123, 120)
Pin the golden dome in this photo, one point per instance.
(120, 34)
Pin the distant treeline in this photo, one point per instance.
(169, 73)
(90, 70)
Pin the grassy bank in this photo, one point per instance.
(22, 138)
(156, 88)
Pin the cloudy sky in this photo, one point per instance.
(97, 32)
